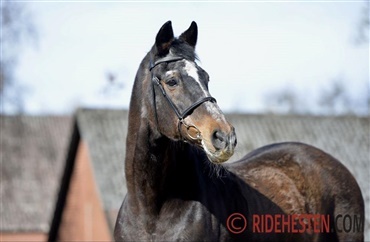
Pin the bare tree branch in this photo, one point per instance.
(17, 29)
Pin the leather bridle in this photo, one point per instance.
(180, 115)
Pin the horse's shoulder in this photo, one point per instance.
(283, 173)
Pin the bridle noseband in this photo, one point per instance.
(180, 115)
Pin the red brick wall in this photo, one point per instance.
(83, 217)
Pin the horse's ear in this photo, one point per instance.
(164, 38)
(191, 34)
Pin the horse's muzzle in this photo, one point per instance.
(224, 145)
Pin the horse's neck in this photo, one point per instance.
(154, 165)
(159, 170)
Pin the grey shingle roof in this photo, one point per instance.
(32, 160)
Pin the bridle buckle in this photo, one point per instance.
(197, 137)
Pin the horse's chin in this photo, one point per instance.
(217, 157)
(217, 160)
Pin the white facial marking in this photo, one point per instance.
(192, 71)
(212, 108)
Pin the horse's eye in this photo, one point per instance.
(172, 82)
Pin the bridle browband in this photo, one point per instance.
(180, 115)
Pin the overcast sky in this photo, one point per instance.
(250, 50)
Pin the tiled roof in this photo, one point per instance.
(32, 161)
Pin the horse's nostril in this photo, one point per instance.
(219, 135)
(233, 138)
(219, 140)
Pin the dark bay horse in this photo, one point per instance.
(179, 190)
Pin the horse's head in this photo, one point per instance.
(182, 106)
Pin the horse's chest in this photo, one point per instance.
(191, 221)
(177, 220)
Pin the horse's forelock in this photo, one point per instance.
(181, 48)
